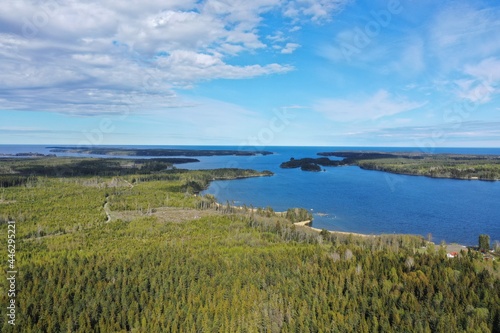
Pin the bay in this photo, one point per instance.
(352, 199)
(372, 202)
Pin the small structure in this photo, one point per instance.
(488, 257)
(452, 255)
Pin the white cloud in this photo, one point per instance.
(277, 37)
(467, 49)
(479, 81)
(425, 137)
(80, 101)
(487, 69)
(477, 92)
(278, 40)
(461, 33)
(290, 48)
(94, 59)
(86, 57)
(316, 10)
(187, 66)
(379, 105)
(470, 130)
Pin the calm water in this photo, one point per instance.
(351, 199)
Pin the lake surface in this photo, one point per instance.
(352, 199)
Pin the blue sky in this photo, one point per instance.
(265, 72)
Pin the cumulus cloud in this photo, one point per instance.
(88, 57)
(290, 48)
(378, 105)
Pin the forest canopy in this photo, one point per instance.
(457, 166)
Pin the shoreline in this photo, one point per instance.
(427, 176)
(306, 223)
(309, 222)
(447, 166)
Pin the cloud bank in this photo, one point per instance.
(107, 56)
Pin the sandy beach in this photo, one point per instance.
(309, 222)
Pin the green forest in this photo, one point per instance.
(157, 151)
(107, 246)
(440, 166)
(456, 166)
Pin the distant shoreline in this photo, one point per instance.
(445, 166)
(27, 155)
(155, 151)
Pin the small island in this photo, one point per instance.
(455, 166)
(156, 151)
(309, 164)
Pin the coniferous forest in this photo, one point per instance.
(107, 246)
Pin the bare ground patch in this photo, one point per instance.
(99, 183)
(166, 214)
(6, 202)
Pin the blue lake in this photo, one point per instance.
(352, 199)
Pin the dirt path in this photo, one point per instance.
(128, 183)
(107, 210)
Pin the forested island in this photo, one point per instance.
(457, 166)
(21, 171)
(309, 164)
(115, 246)
(156, 151)
(27, 155)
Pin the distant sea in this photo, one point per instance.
(352, 199)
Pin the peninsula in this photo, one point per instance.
(156, 151)
(455, 166)
(27, 155)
